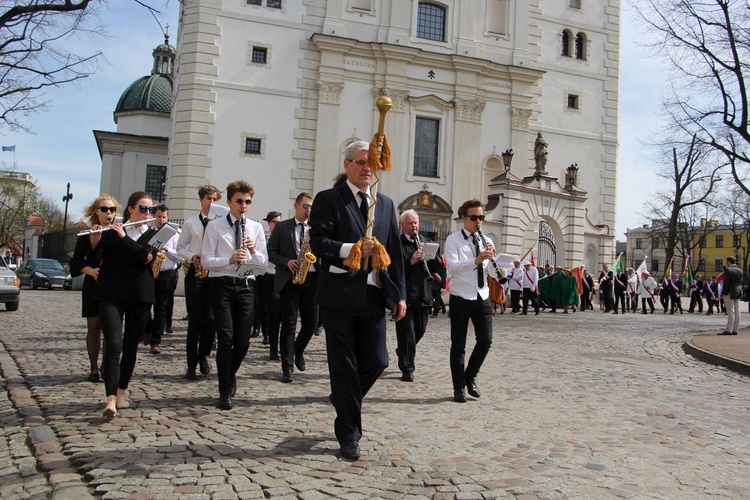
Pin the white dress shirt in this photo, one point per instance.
(218, 247)
(515, 279)
(460, 255)
(530, 277)
(191, 238)
(173, 259)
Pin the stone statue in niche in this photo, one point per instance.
(540, 155)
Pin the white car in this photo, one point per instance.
(10, 291)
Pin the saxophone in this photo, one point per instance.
(185, 266)
(156, 264)
(305, 259)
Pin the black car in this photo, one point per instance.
(47, 273)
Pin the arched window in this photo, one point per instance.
(431, 22)
(565, 44)
(581, 46)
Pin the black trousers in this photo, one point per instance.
(437, 302)
(233, 303)
(200, 333)
(409, 331)
(585, 301)
(515, 299)
(696, 299)
(164, 287)
(480, 313)
(650, 304)
(297, 299)
(121, 346)
(676, 301)
(357, 356)
(529, 295)
(606, 297)
(272, 303)
(620, 300)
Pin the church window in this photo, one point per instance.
(156, 176)
(565, 43)
(718, 265)
(427, 136)
(273, 4)
(260, 55)
(252, 146)
(572, 101)
(497, 16)
(581, 46)
(719, 241)
(431, 21)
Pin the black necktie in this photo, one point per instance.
(237, 235)
(480, 267)
(363, 205)
(204, 221)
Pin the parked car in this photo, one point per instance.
(47, 273)
(10, 290)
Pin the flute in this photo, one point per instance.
(106, 228)
(502, 279)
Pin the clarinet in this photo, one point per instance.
(424, 263)
(502, 279)
(242, 230)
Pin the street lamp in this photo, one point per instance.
(66, 199)
(507, 159)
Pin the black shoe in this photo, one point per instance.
(93, 377)
(265, 340)
(233, 386)
(459, 396)
(299, 361)
(256, 333)
(318, 331)
(434, 316)
(225, 402)
(350, 450)
(407, 377)
(274, 356)
(286, 378)
(471, 387)
(190, 374)
(169, 330)
(205, 366)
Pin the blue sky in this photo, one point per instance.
(62, 148)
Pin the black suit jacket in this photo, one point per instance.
(418, 289)
(281, 249)
(335, 219)
(123, 276)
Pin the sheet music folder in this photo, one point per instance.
(162, 235)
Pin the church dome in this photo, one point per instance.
(152, 92)
(148, 93)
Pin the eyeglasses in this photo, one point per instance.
(240, 201)
(144, 209)
(474, 218)
(307, 206)
(104, 210)
(361, 163)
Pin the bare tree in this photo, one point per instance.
(34, 35)
(707, 44)
(691, 178)
(738, 220)
(15, 204)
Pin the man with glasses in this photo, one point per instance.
(228, 243)
(468, 258)
(287, 246)
(200, 334)
(353, 305)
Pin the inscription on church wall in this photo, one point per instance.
(497, 86)
(359, 65)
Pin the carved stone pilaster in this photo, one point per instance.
(520, 119)
(330, 92)
(398, 97)
(469, 110)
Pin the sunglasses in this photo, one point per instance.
(143, 209)
(361, 163)
(240, 201)
(104, 210)
(474, 218)
(307, 206)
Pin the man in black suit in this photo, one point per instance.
(288, 244)
(696, 294)
(410, 330)
(353, 305)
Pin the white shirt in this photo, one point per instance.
(515, 279)
(191, 238)
(218, 247)
(530, 277)
(460, 255)
(172, 259)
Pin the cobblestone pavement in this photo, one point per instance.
(582, 405)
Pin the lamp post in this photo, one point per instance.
(507, 159)
(66, 199)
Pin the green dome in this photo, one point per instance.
(148, 93)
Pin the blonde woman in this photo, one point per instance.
(87, 261)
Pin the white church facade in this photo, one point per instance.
(271, 91)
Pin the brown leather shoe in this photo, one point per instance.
(155, 349)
